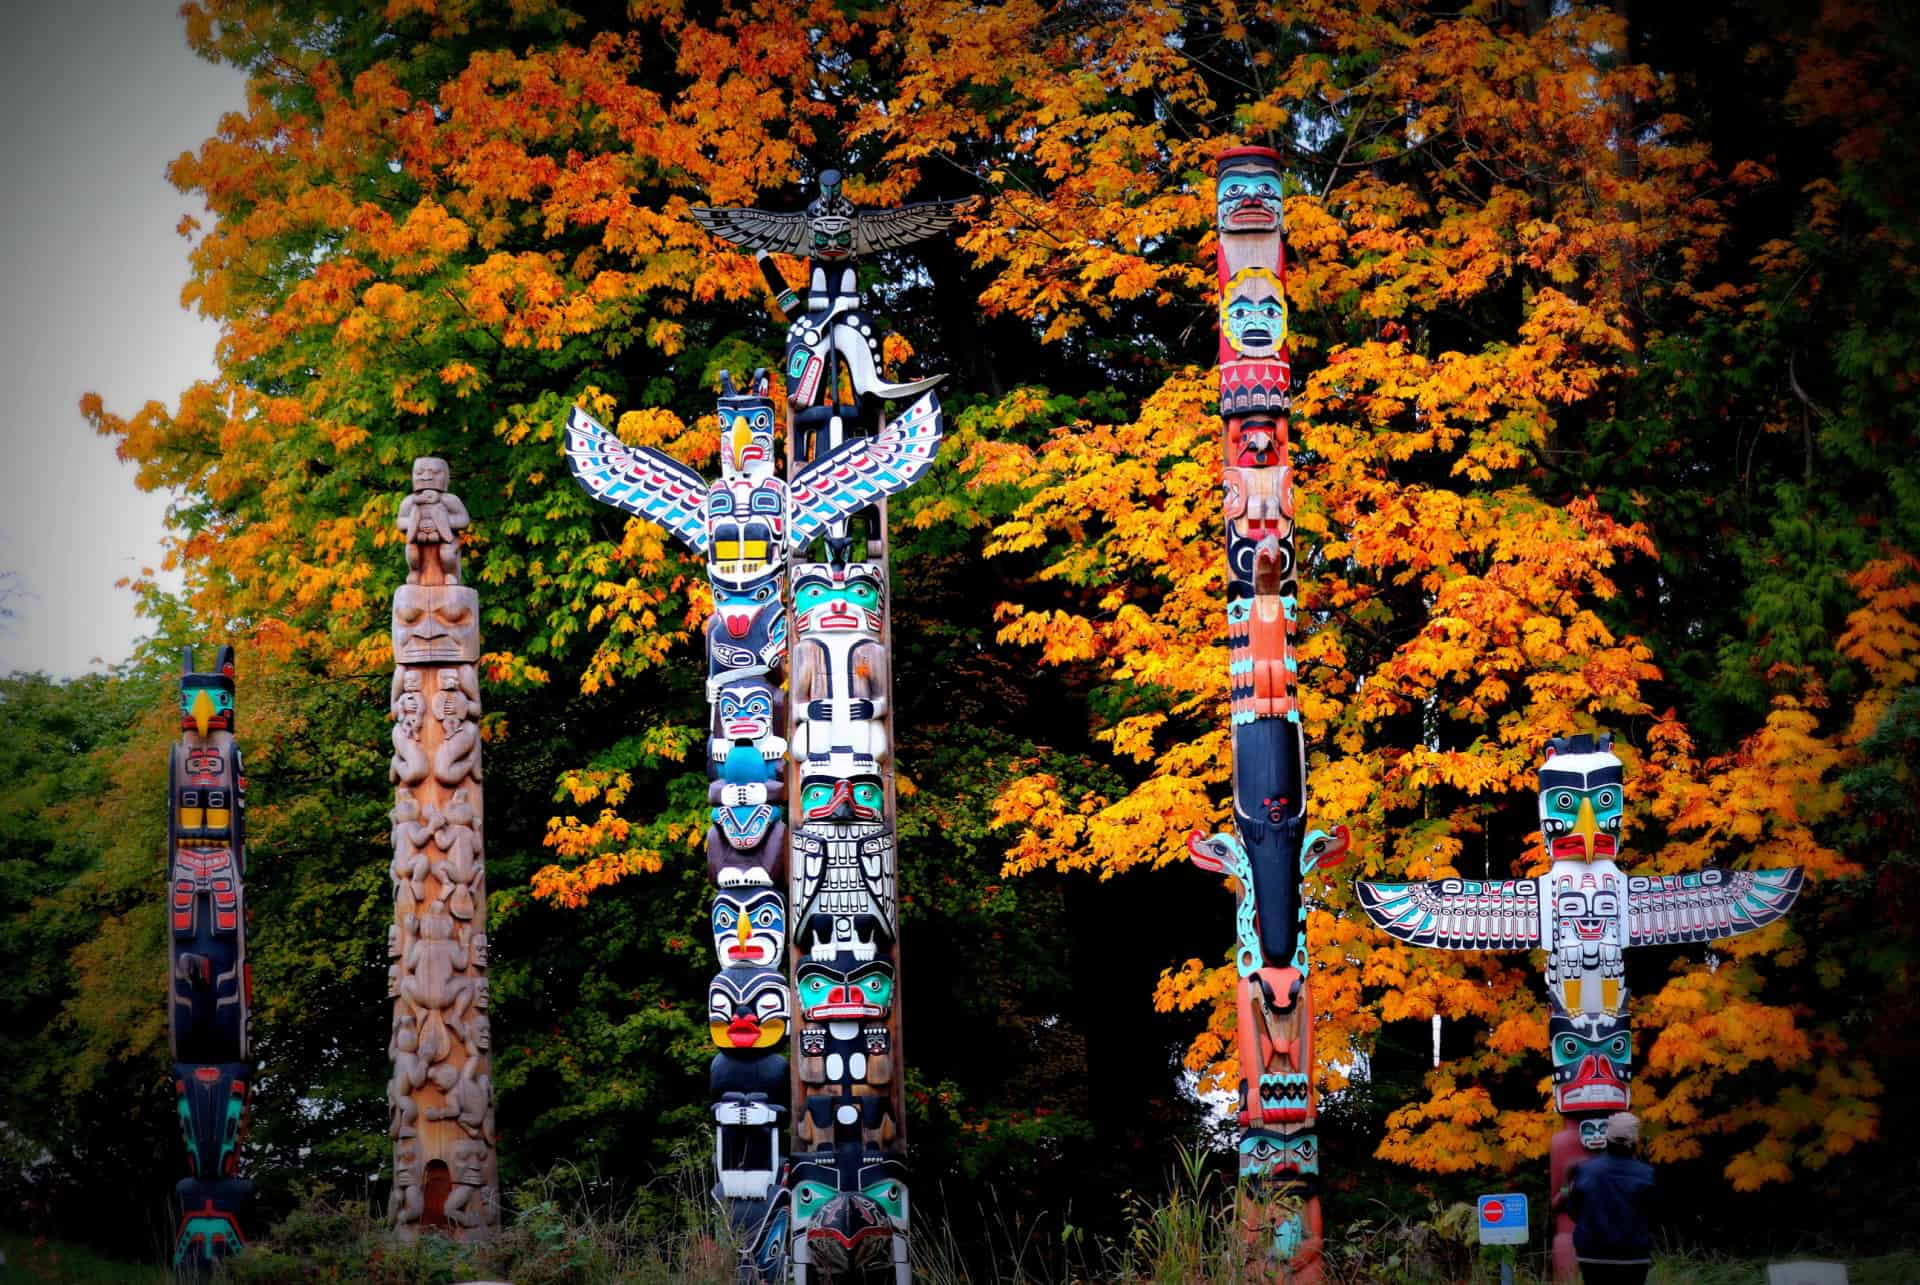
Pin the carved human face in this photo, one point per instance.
(1247, 195)
(838, 599)
(744, 710)
(430, 474)
(749, 927)
(1582, 802)
(1591, 1067)
(436, 623)
(1586, 909)
(1253, 313)
(748, 1008)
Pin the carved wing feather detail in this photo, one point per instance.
(863, 470)
(751, 229)
(1665, 909)
(876, 230)
(1457, 914)
(637, 480)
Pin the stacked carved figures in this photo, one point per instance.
(747, 524)
(440, 1098)
(1583, 912)
(1269, 852)
(210, 984)
(845, 1210)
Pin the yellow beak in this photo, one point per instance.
(1585, 826)
(738, 436)
(744, 930)
(202, 710)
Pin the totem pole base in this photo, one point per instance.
(1565, 1153)
(1281, 1234)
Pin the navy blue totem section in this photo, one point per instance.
(208, 982)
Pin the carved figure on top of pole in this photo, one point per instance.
(842, 1215)
(440, 1096)
(210, 984)
(1269, 852)
(1584, 913)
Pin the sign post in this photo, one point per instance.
(1503, 1221)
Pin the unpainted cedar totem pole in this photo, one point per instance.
(210, 984)
(801, 850)
(1269, 851)
(1584, 913)
(440, 1097)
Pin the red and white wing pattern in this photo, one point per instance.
(638, 480)
(1457, 914)
(864, 470)
(1665, 909)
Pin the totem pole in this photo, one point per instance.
(841, 1210)
(1583, 912)
(440, 1099)
(210, 984)
(1269, 851)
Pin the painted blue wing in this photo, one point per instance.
(638, 480)
(863, 470)
(1457, 914)
(1707, 905)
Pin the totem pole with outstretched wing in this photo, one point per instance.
(1584, 913)
(841, 1216)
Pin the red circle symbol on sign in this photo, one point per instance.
(1494, 1210)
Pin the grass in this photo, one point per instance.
(566, 1230)
(37, 1261)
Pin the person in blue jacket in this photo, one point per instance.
(1611, 1200)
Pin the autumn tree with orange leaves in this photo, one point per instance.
(1604, 418)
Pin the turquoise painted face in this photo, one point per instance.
(1591, 1067)
(1254, 313)
(206, 703)
(837, 599)
(1264, 1153)
(826, 799)
(1247, 197)
(1582, 804)
(830, 992)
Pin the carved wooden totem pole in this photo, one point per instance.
(210, 984)
(1269, 850)
(816, 885)
(440, 1099)
(1583, 912)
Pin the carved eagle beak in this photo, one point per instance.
(1586, 826)
(202, 710)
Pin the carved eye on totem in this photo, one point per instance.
(1606, 799)
(1567, 1047)
(1564, 800)
(1620, 1047)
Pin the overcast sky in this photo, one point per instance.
(98, 96)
